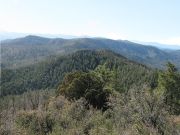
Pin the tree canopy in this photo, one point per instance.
(169, 86)
(87, 85)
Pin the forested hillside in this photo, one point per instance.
(89, 67)
(48, 74)
(87, 93)
(32, 49)
(65, 89)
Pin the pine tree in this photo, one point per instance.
(169, 86)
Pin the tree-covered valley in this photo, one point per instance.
(88, 87)
(33, 49)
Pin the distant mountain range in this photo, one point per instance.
(13, 35)
(159, 45)
(32, 49)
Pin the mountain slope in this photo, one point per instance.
(49, 74)
(159, 45)
(32, 49)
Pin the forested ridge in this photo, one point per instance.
(90, 92)
(32, 49)
(49, 74)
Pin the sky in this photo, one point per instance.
(141, 20)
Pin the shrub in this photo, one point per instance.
(34, 122)
(88, 85)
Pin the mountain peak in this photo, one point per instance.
(34, 37)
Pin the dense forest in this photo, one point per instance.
(87, 93)
(48, 74)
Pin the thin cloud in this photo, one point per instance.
(172, 41)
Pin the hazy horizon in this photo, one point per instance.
(147, 21)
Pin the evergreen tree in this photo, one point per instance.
(78, 85)
(169, 86)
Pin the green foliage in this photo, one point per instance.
(35, 123)
(90, 86)
(105, 74)
(141, 112)
(169, 86)
(138, 112)
(11, 105)
(50, 73)
(120, 93)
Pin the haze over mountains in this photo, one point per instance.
(13, 35)
(31, 49)
(160, 45)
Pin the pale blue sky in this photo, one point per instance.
(144, 20)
